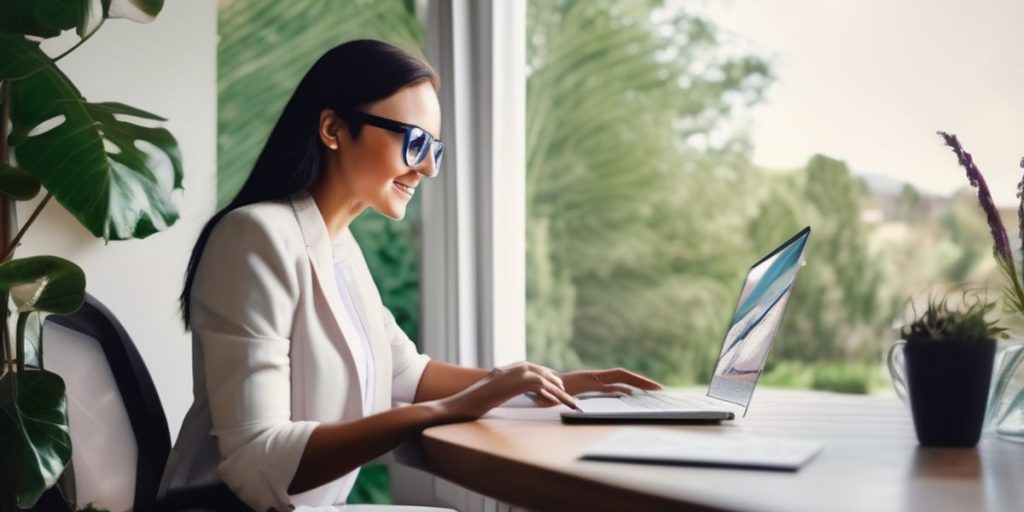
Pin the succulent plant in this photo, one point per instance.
(940, 321)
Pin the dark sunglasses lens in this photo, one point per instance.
(417, 146)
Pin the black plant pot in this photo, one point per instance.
(948, 383)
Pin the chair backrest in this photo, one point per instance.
(119, 434)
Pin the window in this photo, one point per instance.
(670, 145)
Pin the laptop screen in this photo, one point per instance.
(758, 314)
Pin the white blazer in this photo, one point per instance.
(271, 356)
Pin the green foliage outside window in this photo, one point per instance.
(645, 211)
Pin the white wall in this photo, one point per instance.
(167, 67)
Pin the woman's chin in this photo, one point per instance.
(392, 212)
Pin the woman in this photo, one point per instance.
(296, 362)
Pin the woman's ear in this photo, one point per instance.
(330, 127)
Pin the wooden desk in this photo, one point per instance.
(871, 461)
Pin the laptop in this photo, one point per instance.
(763, 299)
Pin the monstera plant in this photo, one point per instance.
(110, 165)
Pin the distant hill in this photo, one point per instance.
(878, 184)
(890, 199)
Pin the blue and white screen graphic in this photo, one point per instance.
(758, 314)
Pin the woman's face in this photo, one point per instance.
(372, 165)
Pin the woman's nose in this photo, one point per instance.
(427, 168)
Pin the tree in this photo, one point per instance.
(624, 259)
(838, 308)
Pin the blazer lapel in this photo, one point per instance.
(318, 247)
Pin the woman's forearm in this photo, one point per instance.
(335, 449)
(442, 380)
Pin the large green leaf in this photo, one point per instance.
(34, 436)
(33, 412)
(17, 184)
(373, 485)
(20, 57)
(114, 175)
(142, 11)
(48, 18)
(43, 18)
(34, 339)
(44, 283)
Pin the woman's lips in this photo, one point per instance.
(405, 189)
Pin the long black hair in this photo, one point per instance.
(347, 77)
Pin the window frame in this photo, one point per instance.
(473, 221)
(473, 266)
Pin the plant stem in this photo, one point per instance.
(20, 337)
(5, 102)
(6, 326)
(79, 43)
(21, 232)
(5, 350)
(39, 346)
(8, 220)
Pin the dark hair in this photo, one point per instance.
(347, 77)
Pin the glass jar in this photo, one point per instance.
(1005, 412)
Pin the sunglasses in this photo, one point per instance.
(417, 142)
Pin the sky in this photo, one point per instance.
(870, 81)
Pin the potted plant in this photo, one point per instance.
(110, 165)
(948, 354)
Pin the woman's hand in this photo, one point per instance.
(607, 381)
(542, 384)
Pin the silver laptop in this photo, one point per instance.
(748, 340)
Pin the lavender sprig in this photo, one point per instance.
(995, 223)
(1020, 209)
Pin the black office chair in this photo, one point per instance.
(119, 435)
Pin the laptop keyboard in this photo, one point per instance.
(663, 402)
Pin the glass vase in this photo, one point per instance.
(1005, 412)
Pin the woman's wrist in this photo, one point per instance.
(571, 382)
(435, 412)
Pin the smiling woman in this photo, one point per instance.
(297, 362)
(384, 159)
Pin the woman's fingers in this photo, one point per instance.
(623, 376)
(563, 397)
(548, 389)
(542, 398)
(616, 388)
(548, 374)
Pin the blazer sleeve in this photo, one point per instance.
(407, 364)
(243, 301)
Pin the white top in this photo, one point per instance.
(274, 354)
(361, 351)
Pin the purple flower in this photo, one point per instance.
(1020, 209)
(995, 223)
